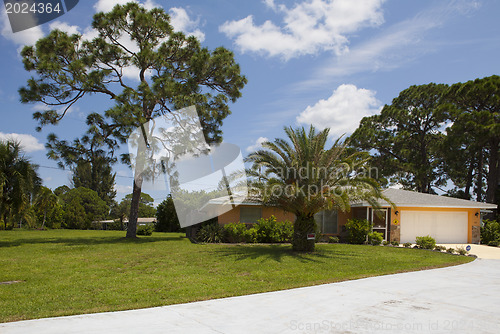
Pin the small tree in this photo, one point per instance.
(166, 217)
(82, 206)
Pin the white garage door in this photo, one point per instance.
(445, 227)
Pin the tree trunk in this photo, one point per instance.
(44, 217)
(470, 173)
(492, 172)
(134, 208)
(303, 226)
(479, 181)
(140, 164)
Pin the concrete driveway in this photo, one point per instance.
(460, 299)
(482, 251)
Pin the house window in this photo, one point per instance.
(327, 221)
(250, 214)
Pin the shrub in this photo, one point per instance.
(145, 230)
(211, 233)
(450, 250)
(493, 243)
(426, 242)
(461, 250)
(440, 248)
(490, 231)
(250, 235)
(395, 243)
(333, 240)
(235, 232)
(271, 231)
(375, 238)
(386, 243)
(407, 244)
(357, 230)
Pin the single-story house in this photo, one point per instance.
(103, 224)
(446, 219)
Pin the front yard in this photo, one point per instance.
(65, 272)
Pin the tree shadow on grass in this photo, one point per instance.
(278, 253)
(68, 241)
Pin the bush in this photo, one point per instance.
(407, 244)
(375, 238)
(426, 242)
(461, 250)
(494, 243)
(333, 240)
(271, 231)
(145, 230)
(395, 243)
(211, 233)
(440, 248)
(386, 243)
(235, 232)
(250, 235)
(490, 231)
(450, 250)
(357, 230)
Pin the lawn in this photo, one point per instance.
(64, 272)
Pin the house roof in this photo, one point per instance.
(407, 198)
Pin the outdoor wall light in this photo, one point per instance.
(477, 213)
(396, 212)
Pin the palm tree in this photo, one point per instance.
(18, 180)
(45, 200)
(303, 177)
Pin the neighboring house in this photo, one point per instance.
(446, 219)
(104, 224)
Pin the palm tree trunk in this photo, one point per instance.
(303, 226)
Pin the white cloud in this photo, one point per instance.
(21, 38)
(121, 189)
(392, 48)
(180, 20)
(63, 26)
(342, 111)
(257, 145)
(28, 142)
(107, 5)
(309, 27)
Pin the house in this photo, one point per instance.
(446, 219)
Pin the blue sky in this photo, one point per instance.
(328, 63)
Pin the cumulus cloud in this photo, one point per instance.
(309, 27)
(107, 5)
(257, 145)
(342, 111)
(28, 142)
(181, 21)
(63, 26)
(21, 38)
(122, 189)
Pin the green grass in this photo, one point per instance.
(65, 272)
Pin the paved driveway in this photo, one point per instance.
(482, 251)
(460, 299)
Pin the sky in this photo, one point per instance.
(323, 62)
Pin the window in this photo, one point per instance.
(250, 214)
(327, 221)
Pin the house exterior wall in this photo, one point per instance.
(233, 215)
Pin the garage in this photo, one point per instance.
(445, 227)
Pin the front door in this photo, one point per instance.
(379, 219)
